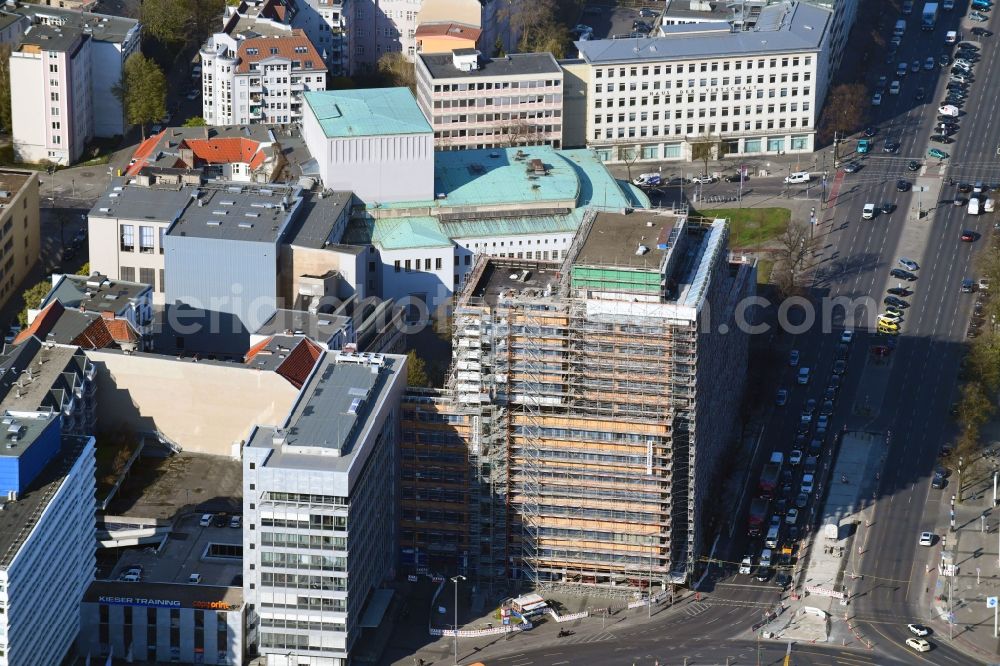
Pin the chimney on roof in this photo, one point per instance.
(465, 60)
(206, 131)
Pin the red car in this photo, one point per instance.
(968, 236)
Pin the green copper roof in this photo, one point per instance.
(367, 112)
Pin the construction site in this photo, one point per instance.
(597, 395)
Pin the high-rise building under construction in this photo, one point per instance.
(601, 392)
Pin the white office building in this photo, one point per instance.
(319, 507)
(753, 88)
(47, 545)
(260, 79)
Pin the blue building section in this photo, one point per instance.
(29, 443)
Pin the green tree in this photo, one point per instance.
(195, 121)
(6, 119)
(167, 21)
(84, 270)
(32, 299)
(142, 90)
(974, 408)
(416, 370)
(175, 23)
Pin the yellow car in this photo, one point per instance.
(888, 329)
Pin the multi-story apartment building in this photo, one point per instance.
(476, 102)
(20, 229)
(260, 79)
(749, 90)
(320, 507)
(605, 400)
(324, 23)
(62, 75)
(47, 544)
(51, 115)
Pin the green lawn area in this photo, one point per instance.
(764, 268)
(753, 227)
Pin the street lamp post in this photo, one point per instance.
(454, 581)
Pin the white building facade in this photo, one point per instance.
(652, 100)
(259, 80)
(374, 142)
(43, 578)
(475, 102)
(319, 507)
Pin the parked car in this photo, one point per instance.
(908, 264)
(937, 153)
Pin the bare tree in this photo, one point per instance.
(521, 132)
(398, 71)
(796, 249)
(537, 23)
(844, 111)
(707, 148)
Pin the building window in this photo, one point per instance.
(406, 264)
(146, 240)
(127, 238)
(163, 281)
(126, 273)
(163, 233)
(437, 263)
(146, 276)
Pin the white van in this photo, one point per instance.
(798, 177)
(973, 206)
(803, 376)
(771, 541)
(950, 37)
(900, 28)
(988, 206)
(777, 458)
(765, 558)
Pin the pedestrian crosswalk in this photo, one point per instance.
(696, 608)
(589, 638)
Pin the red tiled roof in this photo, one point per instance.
(103, 333)
(43, 323)
(144, 150)
(300, 362)
(297, 365)
(280, 47)
(227, 150)
(256, 349)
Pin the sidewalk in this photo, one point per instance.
(974, 547)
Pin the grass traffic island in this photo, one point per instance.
(752, 227)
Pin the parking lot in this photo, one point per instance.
(608, 21)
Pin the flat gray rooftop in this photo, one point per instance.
(25, 429)
(49, 38)
(503, 276)
(102, 27)
(614, 240)
(95, 293)
(22, 515)
(313, 227)
(782, 28)
(159, 203)
(11, 183)
(333, 409)
(238, 211)
(319, 327)
(441, 66)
